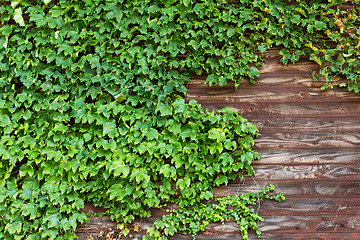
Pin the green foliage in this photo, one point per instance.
(91, 102)
(232, 208)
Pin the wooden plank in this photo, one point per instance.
(227, 236)
(273, 67)
(272, 236)
(311, 206)
(269, 109)
(272, 73)
(303, 224)
(272, 94)
(300, 156)
(307, 125)
(307, 140)
(271, 226)
(326, 214)
(301, 172)
(291, 206)
(347, 223)
(264, 81)
(307, 236)
(96, 225)
(295, 188)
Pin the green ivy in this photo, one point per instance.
(92, 109)
(227, 209)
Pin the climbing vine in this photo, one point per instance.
(92, 109)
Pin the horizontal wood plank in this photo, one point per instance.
(226, 236)
(307, 140)
(311, 206)
(301, 172)
(97, 225)
(310, 148)
(307, 125)
(295, 188)
(261, 93)
(272, 225)
(315, 156)
(293, 109)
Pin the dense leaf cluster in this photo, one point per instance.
(91, 107)
(227, 209)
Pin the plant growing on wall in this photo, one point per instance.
(91, 104)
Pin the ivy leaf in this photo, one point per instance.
(54, 220)
(206, 195)
(295, 19)
(164, 110)
(217, 133)
(262, 48)
(14, 3)
(183, 183)
(60, 127)
(14, 227)
(141, 175)
(168, 171)
(18, 17)
(230, 32)
(26, 169)
(56, 11)
(4, 120)
(29, 209)
(109, 129)
(320, 25)
(226, 158)
(115, 191)
(152, 134)
(120, 168)
(134, 50)
(186, 2)
(220, 180)
(253, 72)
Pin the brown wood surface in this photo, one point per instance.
(310, 149)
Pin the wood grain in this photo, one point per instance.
(307, 125)
(272, 225)
(264, 236)
(315, 156)
(310, 149)
(299, 95)
(307, 140)
(96, 225)
(291, 109)
(312, 188)
(303, 172)
(311, 206)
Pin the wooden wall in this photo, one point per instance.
(310, 148)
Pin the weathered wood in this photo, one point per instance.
(301, 172)
(271, 224)
(292, 109)
(315, 156)
(311, 206)
(296, 188)
(274, 74)
(302, 236)
(307, 125)
(264, 236)
(307, 140)
(265, 80)
(96, 225)
(310, 148)
(299, 95)
(311, 223)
